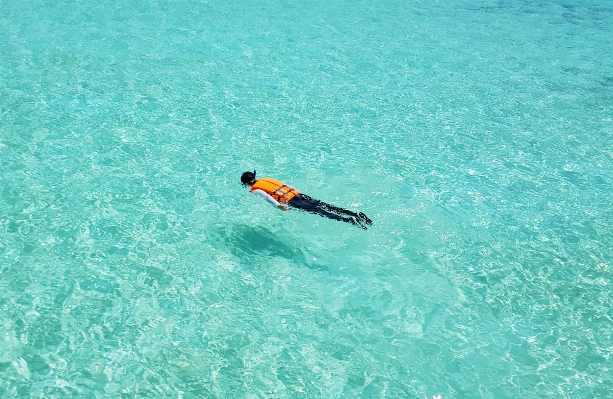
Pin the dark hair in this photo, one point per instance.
(248, 178)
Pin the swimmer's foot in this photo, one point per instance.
(365, 218)
(358, 222)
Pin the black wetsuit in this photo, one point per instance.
(308, 204)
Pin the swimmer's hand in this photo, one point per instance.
(283, 207)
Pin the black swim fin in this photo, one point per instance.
(357, 221)
(365, 218)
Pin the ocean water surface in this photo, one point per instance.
(476, 134)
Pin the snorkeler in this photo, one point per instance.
(285, 197)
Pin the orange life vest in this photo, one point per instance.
(276, 189)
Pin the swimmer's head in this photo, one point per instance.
(248, 178)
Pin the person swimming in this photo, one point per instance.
(286, 197)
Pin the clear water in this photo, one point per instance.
(476, 135)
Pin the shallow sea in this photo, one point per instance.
(478, 136)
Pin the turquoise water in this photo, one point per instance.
(476, 135)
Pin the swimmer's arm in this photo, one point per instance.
(268, 198)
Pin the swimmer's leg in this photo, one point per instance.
(307, 204)
(329, 207)
(360, 216)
